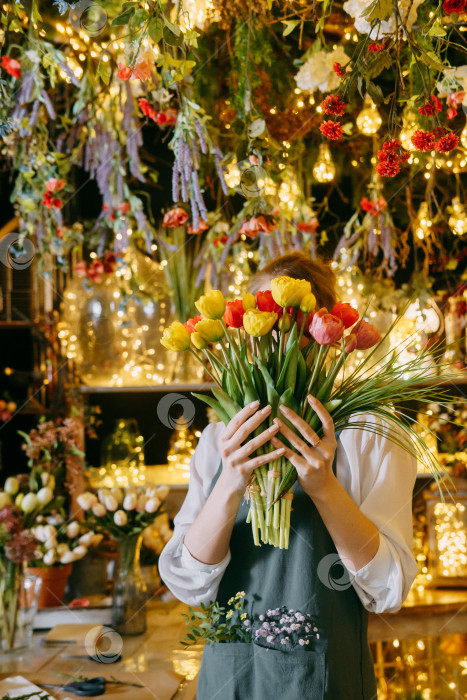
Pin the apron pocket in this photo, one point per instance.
(294, 674)
(226, 672)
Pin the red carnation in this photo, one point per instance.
(375, 48)
(431, 106)
(373, 208)
(392, 145)
(338, 70)
(457, 6)
(423, 140)
(447, 143)
(51, 202)
(388, 169)
(333, 104)
(331, 130)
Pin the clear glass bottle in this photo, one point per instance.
(130, 592)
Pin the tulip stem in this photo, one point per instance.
(323, 350)
(229, 363)
(235, 350)
(282, 340)
(305, 316)
(206, 352)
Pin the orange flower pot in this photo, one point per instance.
(54, 580)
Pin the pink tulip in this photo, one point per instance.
(350, 343)
(325, 328)
(367, 336)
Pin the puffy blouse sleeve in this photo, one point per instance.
(190, 580)
(380, 475)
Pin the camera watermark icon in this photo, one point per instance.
(333, 574)
(103, 644)
(88, 16)
(252, 179)
(166, 415)
(16, 252)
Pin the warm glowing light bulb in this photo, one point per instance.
(369, 120)
(324, 169)
(464, 137)
(458, 219)
(423, 222)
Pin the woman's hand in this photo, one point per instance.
(236, 465)
(314, 456)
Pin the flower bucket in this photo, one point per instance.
(54, 580)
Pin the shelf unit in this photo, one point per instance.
(89, 389)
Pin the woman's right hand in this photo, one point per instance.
(237, 466)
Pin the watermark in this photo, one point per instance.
(88, 16)
(168, 417)
(16, 252)
(333, 574)
(103, 644)
(253, 179)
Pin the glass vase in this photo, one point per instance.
(19, 598)
(130, 592)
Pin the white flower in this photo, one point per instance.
(68, 557)
(5, 499)
(111, 503)
(117, 494)
(11, 485)
(152, 505)
(162, 492)
(38, 554)
(99, 510)
(318, 73)
(49, 557)
(142, 500)
(407, 8)
(80, 551)
(62, 548)
(130, 501)
(33, 56)
(86, 539)
(48, 480)
(120, 518)
(102, 493)
(29, 503)
(44, 495)
(49, 531)
(72, 529)
(50, 543)
(86, 500)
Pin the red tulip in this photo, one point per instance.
(346, 313)
(350, 343)
(325, 328)
(265, 302)
(191, 323)
(234, 311)
(367, 336)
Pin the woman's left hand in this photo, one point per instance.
(314, 456)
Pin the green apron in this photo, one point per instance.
(338, 665)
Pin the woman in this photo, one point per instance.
(351, 507)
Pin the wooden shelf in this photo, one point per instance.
(88, 389)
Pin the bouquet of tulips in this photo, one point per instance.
(277, 348)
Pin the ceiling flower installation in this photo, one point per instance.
(237, 131)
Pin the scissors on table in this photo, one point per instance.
(87, 688)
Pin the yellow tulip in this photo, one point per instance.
(249, 301)
(287, 291)
(285, 323)
(258, 323)
(198, 341)
(176, 337)
(211, 305)
(308, 303)
(210, 330)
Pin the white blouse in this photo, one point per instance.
(377, 474)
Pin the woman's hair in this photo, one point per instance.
(299, 266)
